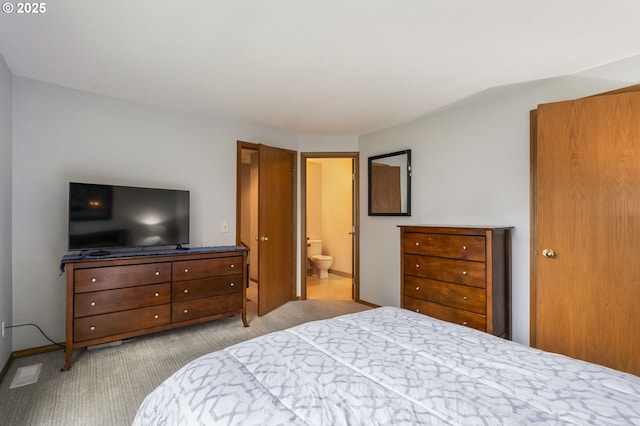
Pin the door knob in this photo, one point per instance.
(548, 253)
(262, 239)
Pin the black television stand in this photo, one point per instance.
(99, 253)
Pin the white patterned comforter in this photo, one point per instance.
(390, 366)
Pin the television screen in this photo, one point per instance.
(108, 216)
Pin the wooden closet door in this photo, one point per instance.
(586, 208)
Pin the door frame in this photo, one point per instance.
(355, 156)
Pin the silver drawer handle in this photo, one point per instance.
(464, 247)
(231, 284)
(93, 303)
(417, 244)
(464, 323)
(464, 272)
(186, 291)
(186, 311)
(92, 328)
(465, 298)
(186, 269)
(156, 294)
(418, 310)
(233, 266)
(93, 280)
(157, 273)
(156, 316)
(417, 265)
(417, 288)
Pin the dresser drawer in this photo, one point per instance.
(100, 302)
(452, 270)
(105, 278)
(452, 246)
(446, 313)
(97, 326)
(195, 269)
(206, 287)
(191, 309)
(465, 297)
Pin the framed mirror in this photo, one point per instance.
(390, 184)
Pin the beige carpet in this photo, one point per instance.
(105, 386)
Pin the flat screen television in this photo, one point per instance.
(109, 217)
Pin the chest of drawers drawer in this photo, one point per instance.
(196, 308)
(441, 245)
(100, 302)
(452, 270)
(99, 326)
(471, 299)
(105, 278)
(204, 268)
(446, 313)
(206, 287)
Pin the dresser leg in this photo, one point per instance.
(68, 355)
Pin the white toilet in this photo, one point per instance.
(321, 263)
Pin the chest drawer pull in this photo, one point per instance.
(418, 310)
(231, 284)
(465, 298)
(186, 311)
(464, 323)
(156, 294)
(464, 247)
(464, 272)
(93, 280)
(186, 270)
(93, 303)
(156, 316)
(92, 328)
(186, 291)
(157, 273)
(233, 266)
(417, 244)
(417, 265)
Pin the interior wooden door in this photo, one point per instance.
(586, 230)
(276, 227)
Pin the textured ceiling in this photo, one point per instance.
(331, 67)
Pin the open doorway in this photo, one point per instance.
(329, 216)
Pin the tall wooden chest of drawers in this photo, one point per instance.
(459, 274)
(129, 295)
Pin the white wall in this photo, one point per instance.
(63, 135)
(470, 167)
(5, 208)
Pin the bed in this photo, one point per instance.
(390, 366)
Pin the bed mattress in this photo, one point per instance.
(390, 366)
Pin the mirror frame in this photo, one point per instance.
(407, 170)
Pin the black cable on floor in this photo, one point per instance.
(34, 325)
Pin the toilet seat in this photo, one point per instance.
(321, 257)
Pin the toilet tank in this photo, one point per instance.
(314, 247)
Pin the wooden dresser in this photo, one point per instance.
(460, 274)
(116, 298)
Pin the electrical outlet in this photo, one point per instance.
(224, 226)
